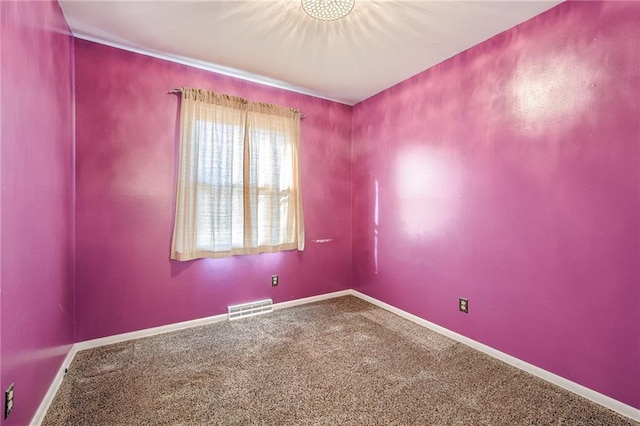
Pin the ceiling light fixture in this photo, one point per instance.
(328, 10)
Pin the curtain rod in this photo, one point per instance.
(175, 91)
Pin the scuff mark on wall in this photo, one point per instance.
(326, 240)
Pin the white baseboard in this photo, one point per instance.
(94, 343)
(605, 401)
(118, 338)
(312, 299)
(53, 389)
(110, 340)
(608, 402)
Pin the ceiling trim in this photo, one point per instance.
(207, 66)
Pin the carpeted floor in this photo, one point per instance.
(338, 362)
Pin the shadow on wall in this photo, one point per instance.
(226, 266)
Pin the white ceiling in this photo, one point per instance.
(274, 42)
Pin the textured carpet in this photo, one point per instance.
(337, 362)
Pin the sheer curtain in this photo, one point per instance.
(238, 186)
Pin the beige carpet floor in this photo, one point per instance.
(337, 362)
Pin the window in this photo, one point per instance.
(238, 184)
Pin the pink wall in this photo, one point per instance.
(510, 175)
(127, 141)
(37, 200)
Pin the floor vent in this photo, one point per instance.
(250, 309)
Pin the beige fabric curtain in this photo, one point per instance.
(238, 182)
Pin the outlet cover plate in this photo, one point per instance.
(8, 400)
(463, 305)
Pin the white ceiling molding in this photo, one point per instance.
(274, 42)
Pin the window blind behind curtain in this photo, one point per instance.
(238, 188)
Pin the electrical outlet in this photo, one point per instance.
(274, 280)
(8, 400)
(463, 305)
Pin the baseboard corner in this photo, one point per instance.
(594, 396)
(41, 412)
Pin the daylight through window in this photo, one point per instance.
(238, 183)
